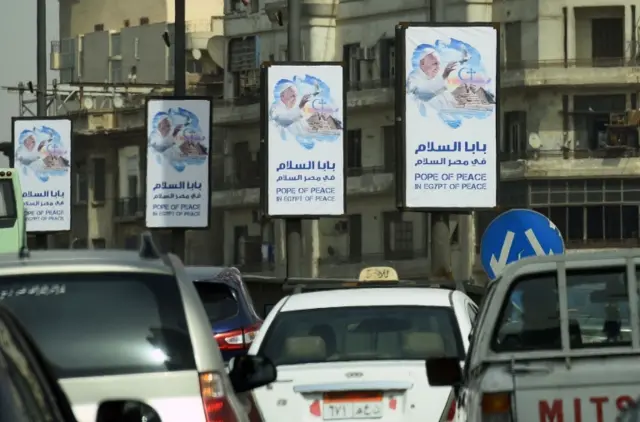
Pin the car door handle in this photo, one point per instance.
(528, 369)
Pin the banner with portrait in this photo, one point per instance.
(178, 162)
(303, 125)
(42, 158)
(448, 116)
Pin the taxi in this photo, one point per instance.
(569, 350)
(355, 349)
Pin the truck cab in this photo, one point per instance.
(557, 339)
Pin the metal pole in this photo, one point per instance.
(440, 246)
(293, 228)
(41, 87)
(178, 236)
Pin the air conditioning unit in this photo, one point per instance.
(100, 121)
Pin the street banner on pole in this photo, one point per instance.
(303, 126)
(447, 109)
(42, 158)
(178, 162)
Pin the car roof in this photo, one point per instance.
(204, 273)
(77, 260)
(401, 296)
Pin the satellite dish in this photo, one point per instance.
(118, 102)
(87, 103)
(534, 141)
(196, 53)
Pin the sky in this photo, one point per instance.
(19, 56)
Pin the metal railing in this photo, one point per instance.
(560, 63)
(375, 259)
(213, 24)
(231, 184)
(130, 207)
(580, 153)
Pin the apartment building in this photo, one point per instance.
(568, 145)
(110, 57)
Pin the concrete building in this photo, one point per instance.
(110, 57)
(565, 149)
(561, 87)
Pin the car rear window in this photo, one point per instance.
(219, 300)
(363, 333)
(89, 324)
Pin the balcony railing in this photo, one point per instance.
(610, 152)
(560, 63)
(130, 208)
(244, 100)
(374, 84)
(359, 171)
(236, 184)
(213, 24)
(375, 259)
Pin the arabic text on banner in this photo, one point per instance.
(305, 140)
(178, 163)
(43, 161)
(451, 139)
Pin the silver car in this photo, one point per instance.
(116, 324)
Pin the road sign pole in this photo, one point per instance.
(440, 246)
(41, 239)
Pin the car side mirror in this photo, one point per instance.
(248, 372)
(444, 372)
(126, 410)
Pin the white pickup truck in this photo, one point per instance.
(557, 339)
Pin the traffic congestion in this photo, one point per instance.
(106, 336)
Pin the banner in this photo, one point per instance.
(450, 112)
(178, 162)
(303, 121)
(42, 158)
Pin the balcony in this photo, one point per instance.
(129, 209)
(580, 163)
(361, 181)
(246, 109)
(582, 72)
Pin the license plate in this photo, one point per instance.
(344, 406)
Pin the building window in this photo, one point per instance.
(398, 236)
(355, 237)
(115, 68)
(592, 226)
(387, 61)
(354, 149)
(194, 66)
(389, 140)
(99, 27)
(115, 45)
(608, 45)
(81, 183)
(99, 243)
(513, 45)
(515, 134)
(350, 58)
(144, 21)
(99, 179)
(246, 170)
(243, 66)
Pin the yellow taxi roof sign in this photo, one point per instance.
(378, 274)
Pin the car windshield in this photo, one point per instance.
(363, 333)
(89, 324)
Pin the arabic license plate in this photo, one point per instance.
(352, 406)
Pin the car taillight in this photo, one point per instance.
(449, 410)
(237, 339)
(214, 398)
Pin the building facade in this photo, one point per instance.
(569, 145)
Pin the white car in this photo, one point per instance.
(359, 353)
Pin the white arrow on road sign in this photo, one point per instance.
(535, 244)
(497, 265)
